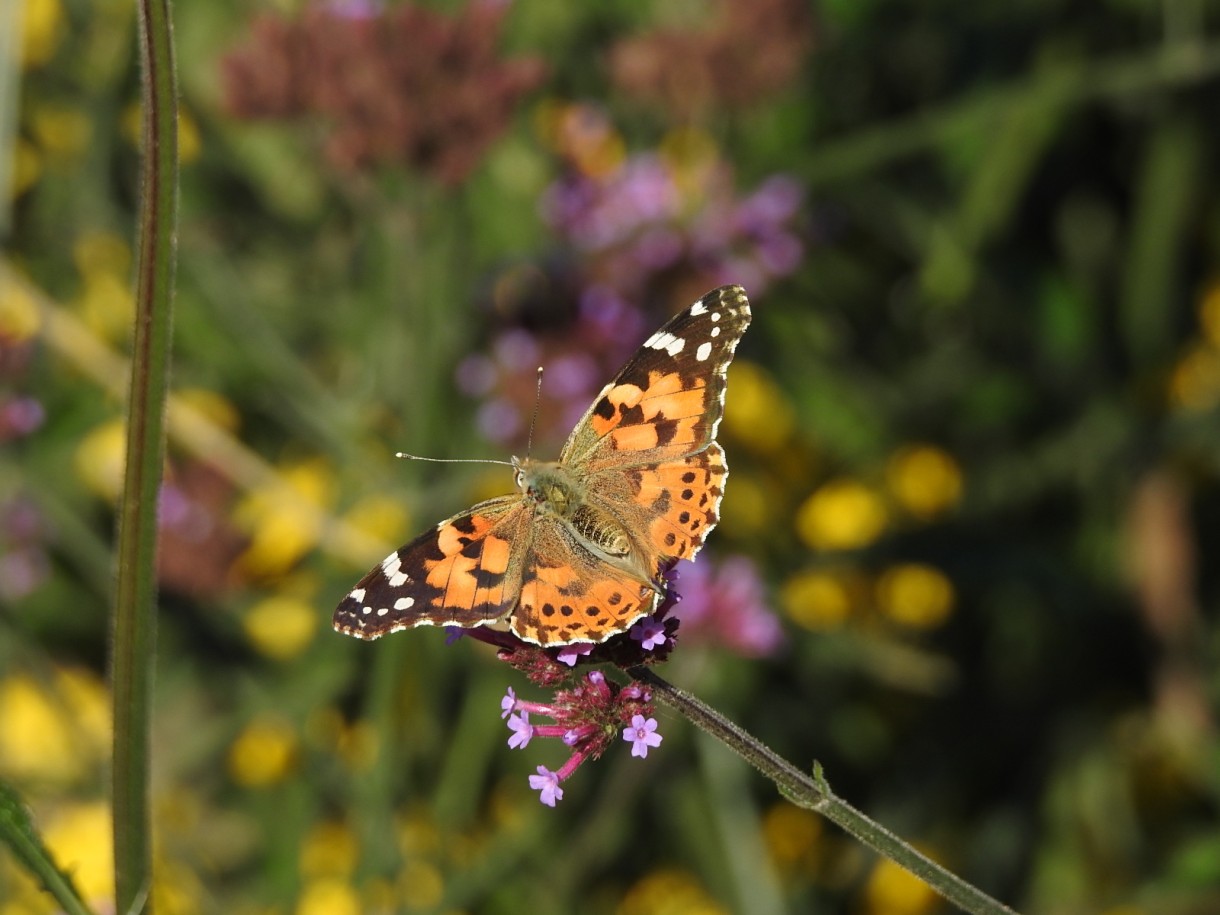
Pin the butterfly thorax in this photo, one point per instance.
(553, 489)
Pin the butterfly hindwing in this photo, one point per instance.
(464, 572)
(568, 594)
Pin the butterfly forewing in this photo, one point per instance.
(666, 402)
(465, 572)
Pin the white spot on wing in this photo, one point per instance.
(665, 341)
(698, 309)
(357, 595)
(404, 603)
(704, 350)
(715, 316)
(383, 611)
(391, 567)
(715, 331)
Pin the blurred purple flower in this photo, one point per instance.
(639, 220)
(22, 570)
(23, 560)
(476, 375)
(498, 420)
(725, 605)
(19, 416)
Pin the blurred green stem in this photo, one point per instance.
(813, 793)
(1066, 83)
(134, 639)
(17, 831)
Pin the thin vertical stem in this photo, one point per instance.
(134, 639)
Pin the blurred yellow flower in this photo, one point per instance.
(893, 891)
(748, 511)
(61, 132)
(329, 850)
(915, 595)
(99, 458)
(816, 600)
(328, 896)
(19, 317)
(27, 167)
(422, 886)
(383, 518)
(284, 518)
(86, 697)
(692, 156)
(35, 736)
(281, 626)
(190, 143)
(758, 413)
(41, 27)
(176, 889)
(359, 745)
(213, 406)
(925, 480)
(102, 252)
(1194, 383)
(791, 835)
(1209, 314)
(107, 305)
(53, 732)
(668, 892)
(263, 753)
(418, 835)
(841, 515)
(79, 837)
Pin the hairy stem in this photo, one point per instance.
(813, 793)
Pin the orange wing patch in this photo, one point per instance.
(596, 604)
(471, 574)
(667, 412)
(682, 498)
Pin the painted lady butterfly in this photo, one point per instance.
(576, 555)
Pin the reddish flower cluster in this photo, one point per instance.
(753, 50)
(399, 85)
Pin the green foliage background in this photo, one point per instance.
(1011, 260)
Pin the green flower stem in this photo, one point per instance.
(17, 831)
(134, 641)
(813, 793)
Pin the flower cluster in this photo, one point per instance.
(650, 228)
(724, 604)
(646, 218)
(750, 51)
(400, 84)
(588, 718)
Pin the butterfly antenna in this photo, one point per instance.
(529, 441)
(416, 457)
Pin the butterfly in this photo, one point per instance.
(576, 555)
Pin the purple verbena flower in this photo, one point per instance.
(570, 654)
(650, 633)
(642, 734)
(586, 718)
(522, 730)
(547, 783)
